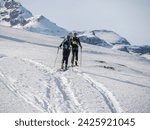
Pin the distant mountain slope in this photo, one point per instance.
(140, 49)
(111, 37)
(113, 40)
(15, 15)
(103, 38)
(91, 38)
(133, 49)
(41, 24)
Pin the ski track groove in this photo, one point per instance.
(63, 85)
(108, 96)
(12, 87)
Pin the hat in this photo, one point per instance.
(68, 36)
(75, 34)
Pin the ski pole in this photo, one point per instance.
(81, 57)
(56, 56)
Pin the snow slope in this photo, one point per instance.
(108, 80)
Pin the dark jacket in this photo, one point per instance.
(76, 42)
(66, 44)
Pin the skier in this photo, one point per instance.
(75, 47)
(66, 51)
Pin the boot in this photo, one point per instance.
(72, 64)
(76, 63)
(62, 66)
(66, 67)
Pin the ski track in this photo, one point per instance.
(58, 89)
(108, 96)
(60, 85)
(13, 89)
(63, 85)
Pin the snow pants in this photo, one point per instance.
(74, 55)
(66, 53)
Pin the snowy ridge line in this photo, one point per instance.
(12, 87)
(63, 85)
(108, 96)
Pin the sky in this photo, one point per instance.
(128, 18)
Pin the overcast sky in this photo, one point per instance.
(128, 18)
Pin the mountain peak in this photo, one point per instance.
(111, 37)
(103, 38)
(40, 17)
(10, 4)
(15, 15)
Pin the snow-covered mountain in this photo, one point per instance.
(91, 38)
(108, 80)
(121, 48)
(111, 37)
(41, 24)
(141, 50)
(15, 15)
(103, 38)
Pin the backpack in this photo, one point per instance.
(75, 41)
(66, 44)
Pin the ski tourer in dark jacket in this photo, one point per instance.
(66, 44)
(75, 47)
